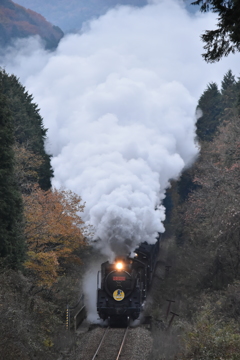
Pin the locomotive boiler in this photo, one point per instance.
(123, 285)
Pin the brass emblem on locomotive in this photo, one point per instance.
(118, 295)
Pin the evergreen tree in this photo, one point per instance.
(228, 81)
(185, 185)
(226, 38)
(12, 246)
(29, 131)
(238, 96)
(229, 93)
(210, 106)
(22, 154)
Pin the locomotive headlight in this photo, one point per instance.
(119, 265)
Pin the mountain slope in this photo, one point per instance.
(71, 14)
(18, 22)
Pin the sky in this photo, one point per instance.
(70, 15)
(119, 100)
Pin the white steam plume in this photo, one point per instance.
(90, 293)
(119, 102)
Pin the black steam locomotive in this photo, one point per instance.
(124, 284)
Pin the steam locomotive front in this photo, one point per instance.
(120, 295)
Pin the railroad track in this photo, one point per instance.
(111, 344)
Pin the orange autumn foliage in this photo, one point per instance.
(54, 230)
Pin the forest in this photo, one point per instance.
(41, 233)
(202, 239)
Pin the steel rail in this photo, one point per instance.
(123, 341)
(100, 344)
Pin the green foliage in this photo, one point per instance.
(211, 339)
(212, 213)
(29, 132)
(206, 199)
(204, 252)
(23, 162)
(12, 247)
(210, 108)
(226, 38)
(186, 185)
(229, 93)
(215, 106)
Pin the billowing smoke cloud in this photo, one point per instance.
(119, 102)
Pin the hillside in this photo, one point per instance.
(203, 252)
(38, 232)
(18, 22)
(70, 15)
